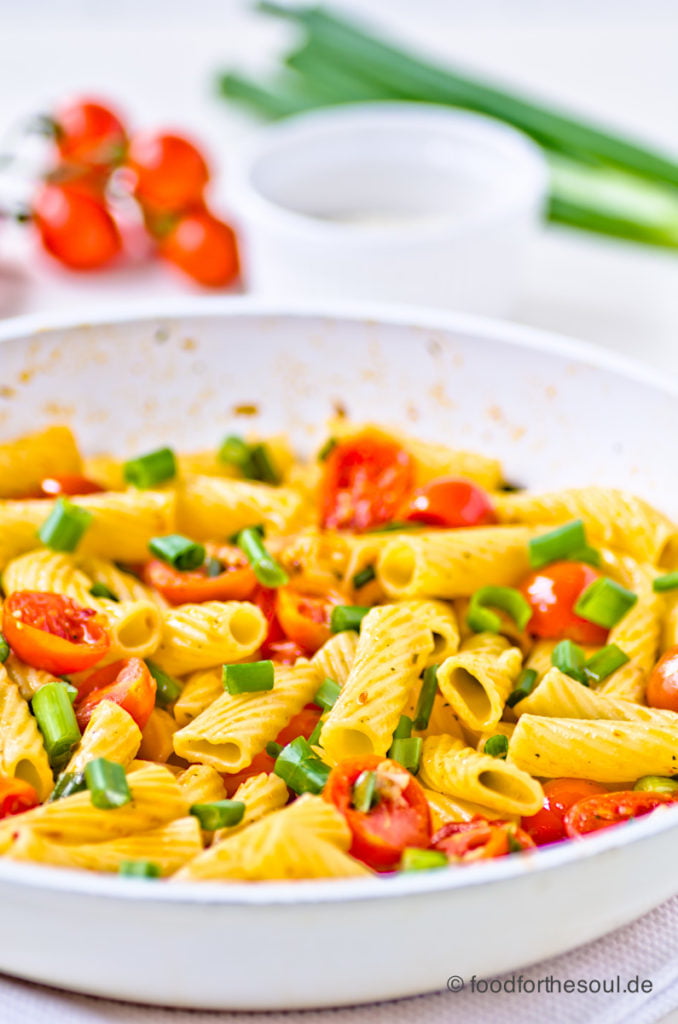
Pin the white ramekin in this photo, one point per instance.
(389, 201)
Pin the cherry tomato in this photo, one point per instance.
(276, 646)
(53, 486)
(236, 583)
(598, 812)
(366, 479)
(16, 796)
(548, 824)
(400, 818)
(662, 686)
(451, 502)
(75, 227)
(305, 618)
(479, 839)
(301, 724)
(89, 133)
(52, 632)
(203, 247)
(127, 683)
(552, 593)
(170, 172)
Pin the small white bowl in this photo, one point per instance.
(391, 201)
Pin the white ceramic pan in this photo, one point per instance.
(557, 413)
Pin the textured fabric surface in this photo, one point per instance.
(644, 951)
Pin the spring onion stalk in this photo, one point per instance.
(167, 688)
(479, 617)
(67, 784)
(218, 814)
(327, 449)
(427, 696)
(56, 720)
(496, 746)
(347, 616)
(314, 738)
(107, 784)
(65, 525)
(301, 769)
(235, 451)
(4, 650)
(139, 869)
(407, 752)
(213, 567)
(149, 470)
(363, 577)
(178, 551)
(101, 590)
(393, 526)
(414, 859)
(604, 662)
(403, 730)
(557, 544)
(273, 749)
(525, 684)
(669, 581)
(656, 784)
(265, 568)
(326, 694)
(365, 792)
(605, 602)
(570, 659)
(248, 677)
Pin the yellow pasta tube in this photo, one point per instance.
(440, 618)
(453, 563)
(202, 784)
(448, 766)
(235, 727)
(28, 679)
(391, 653)
(539, 658)
(157, 737)
(110, 733)
(22, 752)
(314, 559)
(199, 636)
(560, 696)
(336, 656)
(477, 680)
(261, 794)
(25, 463)
(637, 634)
(124, 585)
(49, 572)
(446, 808)
(201, 690)
(209, 507)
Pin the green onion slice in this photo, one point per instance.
(392, 526)
(4, 649)
(403, 730)
(570, 659)
(101, 590)
(604, 662)
(67, 784)
(314, 738)
(218, 814)
(213, 567)
(605, 602)
(178, 551)
(364, 577)
(557, 544)
(151, 469)
(656, 784)
(65, 525)
(139, 869)
(327, 449)
(479, 617)
(669, 581)
(525, 684)
(167, 688)
(263, 467)
(107, 784)
(347, 616)
(248, 677)
(300, 768)
(427, 696)
(497, 745)
(273, 749)
(326, 694)
(586, 554)
(266, 569)
(56, 720)
(415, 859)
(365, 792)
(407, 752)
(235, 451)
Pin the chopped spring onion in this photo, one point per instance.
(139, 869)
(524, 686)
(326, 694)
(656, 784)
(415, 859)
(218, 814)
(586, 554)
(262, 464)
(71, 690)
(314, 738)
(403, 730)
(605, 602)
(395, 524)
(557, 544)
(248, 677)
(253, 460)
(178, 551)
(65, 525)
(669, 581)
(513, 845)
(67, 784)
(365, 792)
(266, 569)
(300, 768)
(107, 784)
(497, 745)
(147, 471)
(364, 577)
(347, 616)
(213, 567)
(407, 752)
(327, 449)
(167, 688)
(273, 749)
(4, 649)
(479, 617)
(101, 590)
(427, 696)
(604, 662)
(56, 720)
(570, 659)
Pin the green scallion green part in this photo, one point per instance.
(167, 688)
(101, 590)
(263, 466)
(586, 554)
(71, 690)
(56, 720)
(65, 525)
(525, 684)
(557, 544)
(497, 745)
(364, 577)
(365, 793)
(67, 784)
(273, 748)
(139, 869)
(266, 569)
(213, 567)
(605, 602)
(479, 617)
(403, 729)
(178, 551)
(427, 696)
(248, 677)
(147, 471)
(314, 738)
(656, 784)
(326, 694)
(327, 449)
(4, 649)
(392, 526)
(570, 659)
(604, 662)
(407, 752)
(414, 859)
(107, 784)
(669, 581)
(235, 451)
(219, 814)
(513, 845)
(300, 768)
(347, 616)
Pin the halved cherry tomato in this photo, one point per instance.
(479, 839)
(16, 796)
(662, 686)
(305, 618)
(52, 632)
(451, 502)
(236, 583)
(400, 818)
(548, 824)
(70, 483)
(367, 478)
(127, 683)
(597, 812)
(552, 593)
(276, 646)
(302, 724)
(170, 172)
(89, 133)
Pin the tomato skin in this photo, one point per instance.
(451, 502)
(479, 839)
(276, 646)
(552, 593)
(548, 824)
(380, 835)
(598, 812)
(236, 583)
(127, 682)
(662, 686)
(302, 724)
(89, 133)
(75, 227)
(305, 618)
(170, 172)
(70, 483)
(52, 632)
(16, 796)
(366, 479)
(203, 247)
